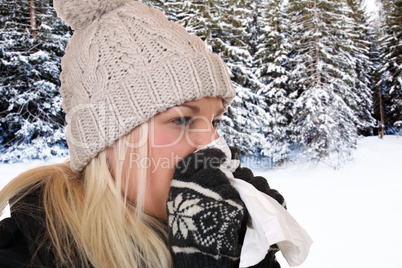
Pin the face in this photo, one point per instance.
(173, 134)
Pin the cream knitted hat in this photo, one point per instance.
(124, 64)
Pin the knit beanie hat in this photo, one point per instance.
(124, 64)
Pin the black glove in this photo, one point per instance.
(204, 213)
(261, 184)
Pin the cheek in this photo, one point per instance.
(164, 137)
(164, 160)
(168, 146)
(167, 150)
(162, 170)
(157, 195)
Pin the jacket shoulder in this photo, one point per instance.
(23, 235)
(14, 250)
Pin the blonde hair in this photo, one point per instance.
(89, 220)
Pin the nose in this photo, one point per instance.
(202, 136)
(209, 137)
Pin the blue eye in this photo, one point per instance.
(183, 121)
(187, 121)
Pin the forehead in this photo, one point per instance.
(211, 102)
(206, 104)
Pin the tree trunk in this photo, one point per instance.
(317, 55)
(382, 121)
(33, 18)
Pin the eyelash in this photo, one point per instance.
(183, 121)
(186, 121)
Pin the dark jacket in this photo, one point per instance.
(24, 243)
(23, 240)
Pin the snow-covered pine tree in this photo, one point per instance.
(362, 44)
(31, 120)
(390, 69)
(376, 87)
(323, 76)
(233, 41)
(195, 16)
(272, 69)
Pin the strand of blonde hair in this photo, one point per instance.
(89, 221)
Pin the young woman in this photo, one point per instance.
(141, 96)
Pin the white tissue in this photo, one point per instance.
(269, 222)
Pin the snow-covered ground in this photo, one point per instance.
(354, 214)
(9, 171)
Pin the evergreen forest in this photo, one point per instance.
(311, 75)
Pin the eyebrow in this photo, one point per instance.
(196, 109)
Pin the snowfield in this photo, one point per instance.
(354, 215)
